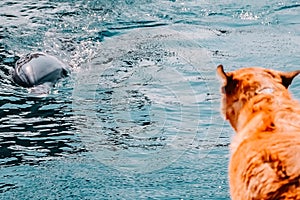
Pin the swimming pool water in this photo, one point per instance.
(139, 116)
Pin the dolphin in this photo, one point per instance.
(39, 70)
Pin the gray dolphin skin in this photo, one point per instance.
(35, 69)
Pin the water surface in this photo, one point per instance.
(139, 116)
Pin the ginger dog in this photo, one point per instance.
(265, 152)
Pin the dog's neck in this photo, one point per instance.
(259, 110)
(266, 113)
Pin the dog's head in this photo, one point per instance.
(242, 85)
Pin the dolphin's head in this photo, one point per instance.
(38, 68)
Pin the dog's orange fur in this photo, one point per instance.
(265, 152)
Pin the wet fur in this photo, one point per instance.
(265, 152)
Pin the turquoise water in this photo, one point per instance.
(139, 116)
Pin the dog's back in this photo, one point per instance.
(265, 153)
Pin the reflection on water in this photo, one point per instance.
(35, 129)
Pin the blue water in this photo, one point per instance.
(139, 116)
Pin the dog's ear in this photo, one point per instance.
(229, 83)
(222, 74)
(287, 77)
